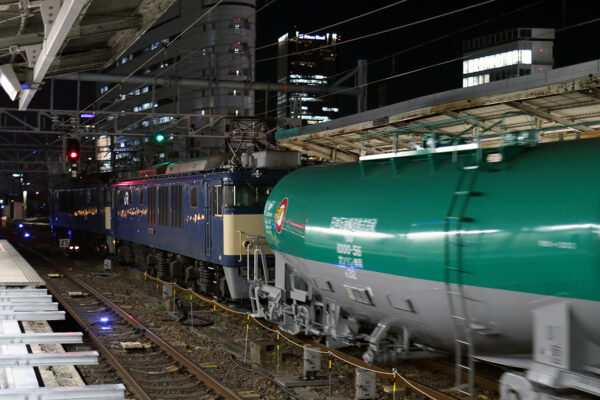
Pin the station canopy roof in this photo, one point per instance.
(45, 38)
(559, 104)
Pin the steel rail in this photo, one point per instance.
(381, 373)
(483, 382)
(129, 381)
(211, 382)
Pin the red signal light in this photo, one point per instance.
(72, 149)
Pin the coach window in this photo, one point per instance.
(251, 195)
(176, 202)
(194, 197)
(217, 200)
(228, 196)
(163, 205)
(152, 211)
(127, 197)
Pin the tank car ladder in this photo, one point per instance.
(453, 275)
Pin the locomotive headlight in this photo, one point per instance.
(70, 247)
(76, 247)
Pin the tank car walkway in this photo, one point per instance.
(29, 348)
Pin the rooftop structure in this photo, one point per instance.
(508, 54)
(218, 46)
(307, 59)
(48, 38)
(554, 105)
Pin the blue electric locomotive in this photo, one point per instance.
(195, 227)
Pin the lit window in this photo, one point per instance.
(497, 61)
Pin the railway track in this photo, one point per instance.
(152, 373)
(384, 374)
(170, 373)
(150, 367)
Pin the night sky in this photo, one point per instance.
(414, 47)
(429, 42)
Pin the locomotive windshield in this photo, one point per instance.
(246, 195)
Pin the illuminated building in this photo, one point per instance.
(307, 59)
(218, 46)
(508, 54)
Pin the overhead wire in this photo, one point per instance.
(145, 63)
(369, 35)
(335, 24)
(190, 54)
(396, 53)
(426, 67)
(339, 23)
(446, 36)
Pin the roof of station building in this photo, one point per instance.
(559, 104)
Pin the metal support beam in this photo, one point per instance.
(322, 151)
(32, 315)
(68, 14)
(22, 292)
(205, 84)
(42, 338)
(28, 306)
(28, 298)
(361, 84)
(150, 11)
(105, 392)
(91, 59)
(486, 126)
(48, 359)
(546, 115)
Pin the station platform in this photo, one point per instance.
(33, 362)
(14, 270)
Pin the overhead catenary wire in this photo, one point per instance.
(445, 36)
(343, 42)
(305, 51)
(423, 68)
(162, 49)
(258, 48)
(369, 35)
(171, 65)
(340, 22)
(412, 48)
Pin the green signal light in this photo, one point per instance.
(159, 137)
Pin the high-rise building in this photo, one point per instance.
(307, 59)
(219, 46)
(503, 55)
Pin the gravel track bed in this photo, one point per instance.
(217, 341)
